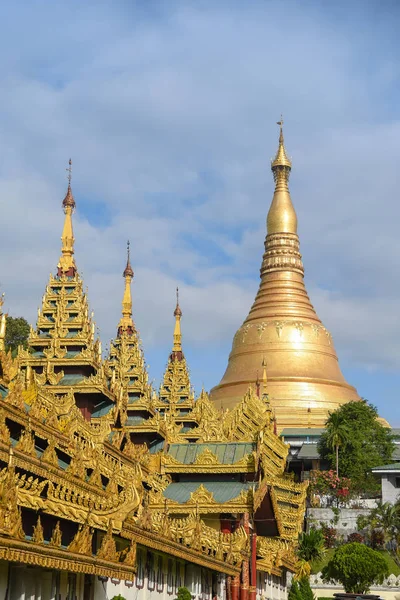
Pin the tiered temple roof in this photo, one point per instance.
(127, 371)
(94, 463)
(63, 353)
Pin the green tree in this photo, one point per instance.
(294, 592)
(311, 545)
(369, 444)
(382, 524)
(337, 434)
(356, 567)
(183, 594)
(17, 332)
(305, 589)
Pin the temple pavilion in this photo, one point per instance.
(110, 487)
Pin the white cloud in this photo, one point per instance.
(169, 118)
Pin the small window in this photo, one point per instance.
(397, 482)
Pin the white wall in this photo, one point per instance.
(389, 491)
(271, 587)
(196, 579)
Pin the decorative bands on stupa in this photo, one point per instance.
(282, 253)
(299, 326)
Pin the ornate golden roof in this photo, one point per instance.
(69, 452)
(64, 352)
(126, 365)
(304, 378)
(176, 388)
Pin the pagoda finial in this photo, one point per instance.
(126, 322)
(282, 217)
(128, 269)
(264, 378)
(281, 159)
(66, 265)
(2, 324)
(177, 329)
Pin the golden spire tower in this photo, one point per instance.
(177, 347)
(63, 354)
(126, 322)
(126, 365)
(282, 325)
(66, 263)
(176, 388)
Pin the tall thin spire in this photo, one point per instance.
(177, 329)
(2, 324)
(264, 366)
(283, 326)
(282, 217)
(126, 322)
(66, 265)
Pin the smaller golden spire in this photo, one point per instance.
(281, 217)
(177, 329)
(126, 322)
(66, 263)
(281, 159)
(2, 325)
(264, 366)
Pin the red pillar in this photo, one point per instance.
(253, 567)
(235, 588)
(228, 591)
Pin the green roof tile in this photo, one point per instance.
(223, 491)
(226, 453)
(71, 379)
(103, 408)
(391, 467)
(308, 451)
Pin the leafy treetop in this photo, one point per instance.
(183, 594)
(17, 332)
(366, 444)
(356, 567)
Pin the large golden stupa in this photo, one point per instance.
(304, 378)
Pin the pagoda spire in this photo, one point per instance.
(283, 326)
(126, 322)
(2, 324)
(176, 381)
(177, 347)
(282, 217)
(265, 379)
(66, 265)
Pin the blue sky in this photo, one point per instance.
(168, 111)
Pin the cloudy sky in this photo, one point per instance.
(168, 111)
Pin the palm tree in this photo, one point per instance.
(311, 545)
(386, 517)
(337, 432)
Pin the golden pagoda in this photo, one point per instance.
(304, 378)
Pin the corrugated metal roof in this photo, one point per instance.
(302, 432)
(157, 446)
(227, 454)
(391, 467)
(308, 451)
(134, 420)
(102, 409)
(223, 491)
(71, 379)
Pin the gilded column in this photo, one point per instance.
(244, 588)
